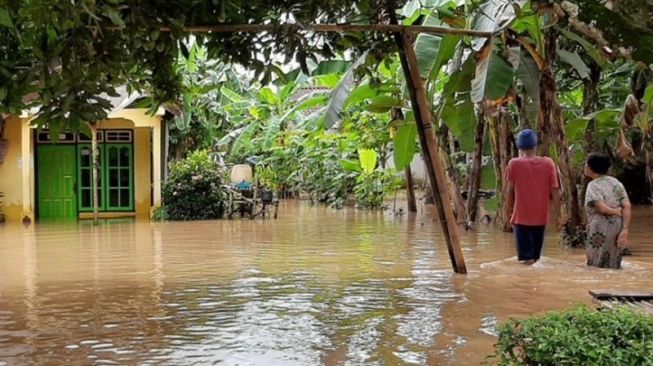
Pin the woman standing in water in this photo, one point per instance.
(608, 214)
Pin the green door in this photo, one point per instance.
(57, 172)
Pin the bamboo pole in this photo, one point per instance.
(437, 175)
(410, 189)
(328, 28)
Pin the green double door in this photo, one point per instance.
(115, 178)
(65, 179)
(57, 174)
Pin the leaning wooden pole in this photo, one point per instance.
(94, 176)
(430, 147)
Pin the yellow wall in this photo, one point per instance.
(139, 116)
(142, 168)
(11, 171)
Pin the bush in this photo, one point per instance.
(579, 336)
(318, 172)
(159, 214)
(371, 189)
(193, 190)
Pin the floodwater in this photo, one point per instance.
(315, 287)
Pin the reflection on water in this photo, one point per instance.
(314, 287)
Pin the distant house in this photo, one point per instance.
(42, 179)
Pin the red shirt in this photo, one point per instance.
(534, 178)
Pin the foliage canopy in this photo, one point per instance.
(66, 56)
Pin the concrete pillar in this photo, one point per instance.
(26, 169)
(156, 164)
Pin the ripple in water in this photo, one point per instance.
(314, 287)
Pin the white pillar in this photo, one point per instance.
(26, 167)
(156, 164)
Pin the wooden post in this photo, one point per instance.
(410, 189)
(94, 179)
(437, 175)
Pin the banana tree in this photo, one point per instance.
(542, 47)
(487, 81)
(201, 117)
(433, 54)
(388, 95)
(263, 117)
(404, 134)
(551, 126)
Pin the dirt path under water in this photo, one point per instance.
(316, 286)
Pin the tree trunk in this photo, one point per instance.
(525, 120)
(590, 104)
(552, 131)
(423, 118)
(94, 179)
(475, 176)
(498, 129)
(505, 154)
(410, 189)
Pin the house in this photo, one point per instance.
(42, 179)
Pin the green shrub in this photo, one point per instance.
(371, 189)
(159, 214)
(318, 172)
(578, 336)
(193, 190)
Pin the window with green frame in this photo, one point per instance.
(119, 177)
(85, 178)
(116, 177)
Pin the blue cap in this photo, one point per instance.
(526, 139)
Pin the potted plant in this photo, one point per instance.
(269, 183)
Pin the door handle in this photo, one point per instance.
(75, 187)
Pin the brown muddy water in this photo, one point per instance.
(315, 287)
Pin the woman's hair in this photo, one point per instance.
(598, 162)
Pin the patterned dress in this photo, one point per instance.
(602, 230)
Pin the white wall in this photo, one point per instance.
(417, 166)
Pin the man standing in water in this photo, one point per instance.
(532, 182)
